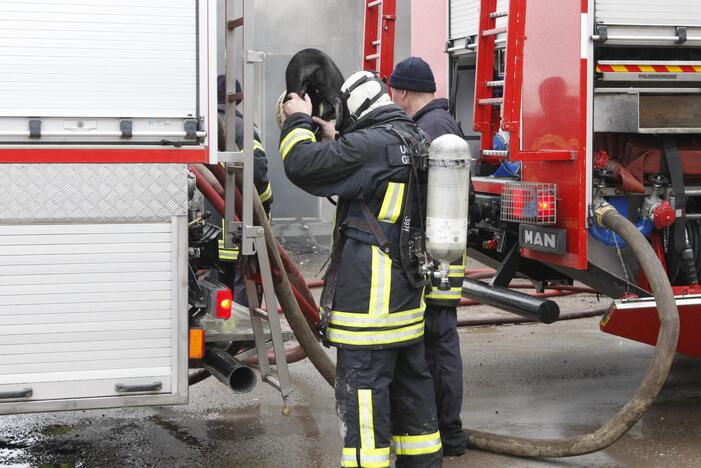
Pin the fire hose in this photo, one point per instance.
(650, 386)
(652, 382)
(288, 294)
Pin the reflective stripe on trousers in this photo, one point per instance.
(417, 444)
(451, 294)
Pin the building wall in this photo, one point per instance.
(429, 32)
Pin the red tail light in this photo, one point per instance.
(528, 202)
(224, 304)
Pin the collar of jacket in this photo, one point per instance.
(379, 116)
(440, 103)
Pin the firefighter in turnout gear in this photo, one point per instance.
(260, 180)
(413, 87)
(374, 313)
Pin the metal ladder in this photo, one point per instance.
(378, 43)
(253, 243)
(491, 112)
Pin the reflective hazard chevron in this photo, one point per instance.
(648, 68)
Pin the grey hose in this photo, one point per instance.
(652, 382)
(307, 339)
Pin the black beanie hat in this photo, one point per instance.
(413, 74)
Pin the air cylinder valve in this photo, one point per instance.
(447, 199)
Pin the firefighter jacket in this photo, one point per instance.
(260, 180)
(373, 304)
(435, 120)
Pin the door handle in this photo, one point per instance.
(124, 388)
(24, 393)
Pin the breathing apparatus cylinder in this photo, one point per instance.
(447, 200)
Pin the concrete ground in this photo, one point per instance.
(531, 380)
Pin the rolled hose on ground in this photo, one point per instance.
(649, 388)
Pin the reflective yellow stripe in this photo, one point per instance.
(374, 458)
(295, 136)
(417, 444)
(392, 204)
(267, 194)
(258, 146)
(224, 253)
(647, 68)
(456, 271)
(453, 293)
(367, 427)
(380, 282)
(619, 68)
(362, 320)
(349, 457)
(376, 337)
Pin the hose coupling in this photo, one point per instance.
(601, 207)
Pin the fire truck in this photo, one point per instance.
(110, 291)
(577, 103)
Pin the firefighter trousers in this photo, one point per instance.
(383, 397)
(445, 363)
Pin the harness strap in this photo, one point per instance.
(329, 292)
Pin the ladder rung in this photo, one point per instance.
(234, 23)
(275, 383)
(499, 14)
(260, 313)
(375, 3)
(491, 101)
(494, 84)
(494, 32)
(372, 57)
(376, 43)
(501, 154)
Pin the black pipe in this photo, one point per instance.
(533, 308)
(229, 370)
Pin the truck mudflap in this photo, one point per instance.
(636, 319)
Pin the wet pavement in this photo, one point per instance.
(530, 380)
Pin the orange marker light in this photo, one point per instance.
(196, 343)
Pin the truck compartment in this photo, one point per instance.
(93, 291)
(124, 72)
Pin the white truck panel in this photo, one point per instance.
(68, 333)
(81, 67)
(465, 17)
(56, 390)
(150, 49)
(649, 12)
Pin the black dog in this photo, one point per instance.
(312, 72)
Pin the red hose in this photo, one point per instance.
(209, 193)
(311, 312)
(309, 309)
(293, 354)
